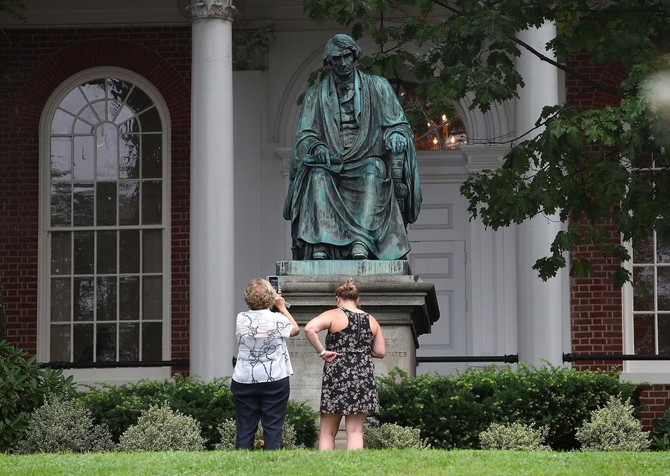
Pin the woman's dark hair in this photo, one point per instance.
(347, 290)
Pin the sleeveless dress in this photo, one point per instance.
(348, 384)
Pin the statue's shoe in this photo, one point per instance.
(359, 251)
(319, 255)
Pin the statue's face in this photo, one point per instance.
(342, 61)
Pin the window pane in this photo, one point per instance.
(61, 294)
(643, 250)
(129, 203)
(644, 334)
(61, 204)
(664, 334)
(62, 123)
(129, 341)
(662, 250)
(105, 201)
(643, 286)
(61, 253)
(100, 108)
(129, 298)
(74, 101)
(152, 341)
(106, 252)
(129, 251)
(663, 290)
(105, 345)
(107, 147)
(138, 101)
(83, 252)
(60, 343)
(83, 204)
(84, 158)
(94, 89)
(118, 89)
(152, 298)
(129, 154)
(152, 156)
(106, 299)
(83, 299)
(152, 252)
(83, 343)
(61, 158)
(150, 121)
(151, 202)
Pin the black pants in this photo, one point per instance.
(260, 401)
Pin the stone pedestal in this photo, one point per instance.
(404, 306)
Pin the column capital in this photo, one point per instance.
(207, 9)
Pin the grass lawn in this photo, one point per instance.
(342, 463)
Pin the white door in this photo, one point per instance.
(438, 256)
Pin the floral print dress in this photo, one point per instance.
(348, 384)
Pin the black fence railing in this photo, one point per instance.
(577, 357)
(109, 365)
(509, 359)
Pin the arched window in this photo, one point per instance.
(105, 214)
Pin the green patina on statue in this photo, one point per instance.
(354, 182)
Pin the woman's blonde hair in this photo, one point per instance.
(259, 294)
(347, 290)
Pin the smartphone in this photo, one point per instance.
(274, 281)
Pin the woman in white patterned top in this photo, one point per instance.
(260, 382)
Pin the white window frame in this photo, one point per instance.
(118, 375)
(638, 371)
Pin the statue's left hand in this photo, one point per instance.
(397, 143)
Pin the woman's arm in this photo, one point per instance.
(280, 304)
(378, 350)
(312, 329)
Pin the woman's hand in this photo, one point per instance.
(329, 356)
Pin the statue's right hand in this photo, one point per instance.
(322, 154)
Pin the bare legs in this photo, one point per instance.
(330, 423)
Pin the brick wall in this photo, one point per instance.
(596, 304)
(34, 62)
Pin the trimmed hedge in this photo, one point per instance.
(452, 411)
(210, 404)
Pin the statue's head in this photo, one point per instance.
(341, 41)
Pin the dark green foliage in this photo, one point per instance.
(451, 412)
(24, 386)
(585, 162)
(303, 419)
(210, 404)
(119, 407)
(660, 437)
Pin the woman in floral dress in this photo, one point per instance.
(348, 387)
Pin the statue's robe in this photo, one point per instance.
(352, 200)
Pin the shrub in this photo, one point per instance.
(24, 386)
(513, 436)
(228, 434)
(452, 411)
(660, 438)
(210, 404)
(119, 407)
(390, 435)
(64, 424)
(162, 429)
(613, 428)
(303, 418)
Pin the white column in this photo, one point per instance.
(542, 306)
(212, 208)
